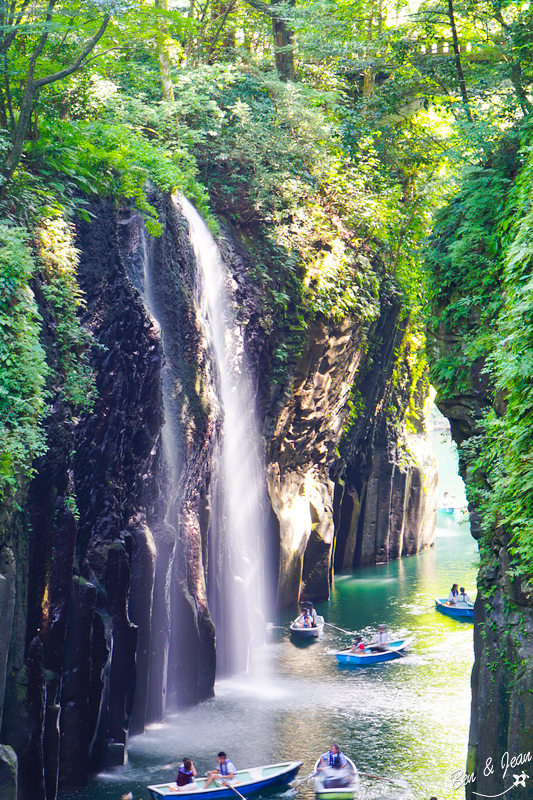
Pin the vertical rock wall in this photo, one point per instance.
(372, 500)
(502, 677)
(91, 572)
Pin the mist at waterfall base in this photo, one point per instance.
(406, 719)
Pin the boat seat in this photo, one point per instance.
(270, 770)
(336, 783)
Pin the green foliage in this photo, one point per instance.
(482, 260)
(59, 259)
(511, 436)
(465, 269)
(113, 160)
(22, 360)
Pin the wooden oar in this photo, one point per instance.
(233, 789)
(299, 781)
(380, 778)
(350, 633)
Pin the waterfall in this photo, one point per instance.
(237, 558)
(209, 520)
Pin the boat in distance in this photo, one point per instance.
(464, 611)
(246, 782)
(307, 633)
(370, 655)
(337, 784)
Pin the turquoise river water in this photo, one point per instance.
(406, 720)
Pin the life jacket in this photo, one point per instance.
(334, 760)
(461, 597)
(183, 777)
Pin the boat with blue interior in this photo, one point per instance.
(374, 654)
(245, 782)
(461, 611)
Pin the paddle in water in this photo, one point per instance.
(349, 633)
(400, 782)
(233, 789)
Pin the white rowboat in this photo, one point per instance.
(337, 784)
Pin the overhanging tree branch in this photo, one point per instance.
(33, 85)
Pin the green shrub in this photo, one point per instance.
(23, 367)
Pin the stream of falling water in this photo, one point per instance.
(236, 595)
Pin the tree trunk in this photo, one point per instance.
(369, 77)
(163, 55)
(458, 65)
(283, 47)
(32, 88)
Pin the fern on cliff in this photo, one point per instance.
(511, 435)
(23, 367)
(482, 261)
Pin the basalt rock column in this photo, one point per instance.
(181, 661)
(361, 488)
(300, 454)
(71, 670)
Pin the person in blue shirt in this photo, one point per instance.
(225, 771)
(333, 758)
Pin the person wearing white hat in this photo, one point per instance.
(381, 639)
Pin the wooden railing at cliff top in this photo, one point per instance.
(468, 51)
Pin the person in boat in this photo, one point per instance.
(186, 775)
(307, 620)
(225, 771)
(381, 639)
(462, 597)
(333, 758)
(454, 591)
(304, 620)
(357, 645)
(312, 612)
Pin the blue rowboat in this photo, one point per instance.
(463, 611)
(369, 656)
(246, 782)
(447, 509)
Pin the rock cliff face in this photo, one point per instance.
(373, 501)
(502, 677)
(108, 569)
(93, 654)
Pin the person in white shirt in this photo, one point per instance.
(381, 639)
(462, 597)
(312, 612)
(454, 591)
(225, 771)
